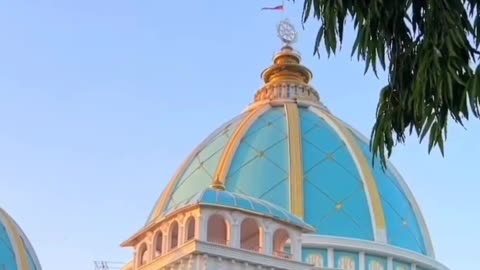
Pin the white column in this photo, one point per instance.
(203, 227)
(149, 251)
(181, 234)
(361, 261)
(235, 235)
(165, 244)
(198, 228)
(297, 248)
(390, 263)
(268, 242)
(331, 258)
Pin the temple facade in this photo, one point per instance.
(284, 185)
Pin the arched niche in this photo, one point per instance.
(281, 243)
(142, 254)
(173, 235)
(190, 229)
(158, 244)
(250, 235)
(217, 230)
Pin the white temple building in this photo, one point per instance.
(284, 185)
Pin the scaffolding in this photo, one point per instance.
(106, 265)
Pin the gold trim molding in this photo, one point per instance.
(231, 148)
(296, 160)
(18, 245)
(366, 173)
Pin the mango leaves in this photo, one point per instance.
(429, 49)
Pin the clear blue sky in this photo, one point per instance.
(100, 101)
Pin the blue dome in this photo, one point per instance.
(215, 197)
(289, 150)
(16, 252)
(306, 161)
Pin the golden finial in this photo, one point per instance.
(217, 184)
(287, 78)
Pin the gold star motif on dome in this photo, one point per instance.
(330, 156)
(261, 154)
(339, 206)
(404, 222)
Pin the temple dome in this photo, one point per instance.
(16, 252)
(288, 149)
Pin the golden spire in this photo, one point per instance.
(286, 67)
(287, 78)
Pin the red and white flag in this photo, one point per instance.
(279, 8)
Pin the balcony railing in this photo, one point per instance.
(282, 254)
(218, 241)
(253, 248)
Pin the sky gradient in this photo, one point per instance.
(101, 101)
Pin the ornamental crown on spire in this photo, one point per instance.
(286, 32)
(287, 78)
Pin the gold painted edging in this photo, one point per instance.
(296, 160)
(403, 184)
(232, 145)
(18, 245)
(366, 172)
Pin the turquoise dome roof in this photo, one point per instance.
(336, 197)
(289, 150)
(216, 197)
(16, 252)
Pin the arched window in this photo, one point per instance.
(173, 235)
(250, 235)
(190, 229)
(217, 230)
(158, 244)
(281, 244)
(142, 254)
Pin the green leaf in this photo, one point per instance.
(428, 51)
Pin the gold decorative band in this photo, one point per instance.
(296, 159)
(365, 170)
(18, 246)
(227, 155)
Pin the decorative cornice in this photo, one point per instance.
(227, 255)
(287, 89)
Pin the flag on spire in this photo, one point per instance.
(279, 8)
